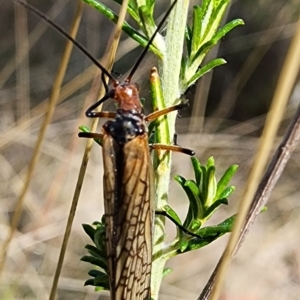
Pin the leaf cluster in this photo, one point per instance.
(97, 256)
(201, 35)
(205, 195)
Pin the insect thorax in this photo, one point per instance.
(127, 125)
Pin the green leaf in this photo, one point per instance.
(150, 5)
(264, 208)
(172, 213)
(225, 179)
(95, 261)
(204, 181)
(205, 185)
(189, 217)
(97, 273)
(192, 211)
(83, 128)
(214, 206)
(94, 251)
(207, 10)
(183, 68)
(227, 28)
(203, 50)
(221, 228)
(89, 282)
(99, 239)
(196, 224)
(197, 23)
(194, 189)
(167, 271)
(89, 230)
(227, 192)
(196, 199)
(183, 242)
(210, 162)
(195, 243)
(97, 223)
(148, 22)
(209, 234)
(188, 39)
(181, 180)
(215, 18)
(207, 68)
(131, 9)
(211, 186)
(197, 170)
(131, 3)
(100, 279)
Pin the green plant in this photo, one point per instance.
(178, 71)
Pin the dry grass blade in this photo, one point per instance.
(281, 157)
(281, 96)
(30, 171)
(22, 50)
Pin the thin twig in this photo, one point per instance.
(22, 61)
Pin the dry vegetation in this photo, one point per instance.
(237, 96)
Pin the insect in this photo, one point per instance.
(127, 179)
(127, 194)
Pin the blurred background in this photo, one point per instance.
(225, 119)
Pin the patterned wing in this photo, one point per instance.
(128, 211)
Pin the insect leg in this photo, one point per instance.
(173, 148)
(98, 136)
(90, 135)
(165, 111)
(175, 139)
(106, 114)
(165, 214)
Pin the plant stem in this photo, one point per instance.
(170, 74)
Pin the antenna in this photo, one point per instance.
(86, 52)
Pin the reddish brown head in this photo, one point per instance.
(127, 96)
